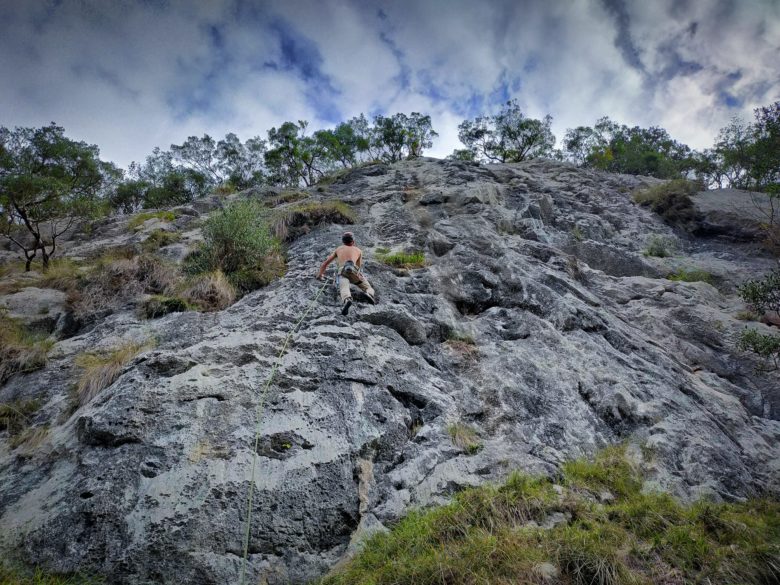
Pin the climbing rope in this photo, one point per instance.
(258, 418)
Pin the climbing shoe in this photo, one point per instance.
(370, 298)
(345, 307)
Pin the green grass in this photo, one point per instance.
(406, 260)
(14, 576)
(659, 247)
(137, 220)
(671, 200)
(492, 535)
(160, 305)
(693, 275)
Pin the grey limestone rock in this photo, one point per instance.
(547, 346)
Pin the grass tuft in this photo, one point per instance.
(693, 275)
(671, 200)
(294, 221)
(464, 437)
(20, 350)
(161, 305)
(16, 576)
(138, 220)
(659, 247)
(407, 260)
(100, 369)
(159, 238)
(494, 534)
(16, 416)
(210, 291)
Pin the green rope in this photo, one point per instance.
(258, 418)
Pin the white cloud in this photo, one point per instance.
(130, 76)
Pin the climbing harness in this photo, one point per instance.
(258, 418)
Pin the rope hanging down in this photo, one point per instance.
(258, 418)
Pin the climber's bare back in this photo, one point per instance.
(347, 253)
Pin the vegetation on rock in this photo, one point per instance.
(593, 525)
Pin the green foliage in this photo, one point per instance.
(621, 149)
(576, 233)
(508, 136)
(767, 347)
(763, 294)
(659, 247)
(671, 200)
(238, 243)
(47, 184)
(693, 275)
(492, 534)
(296, 220)
(20, 350)
(406, 260)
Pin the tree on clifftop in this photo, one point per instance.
(508, 136)
(47, 182)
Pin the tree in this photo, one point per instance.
(47, 182)
(508, 136)
(294, 157)
(766, 149)
(419, 134)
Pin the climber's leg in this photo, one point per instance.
(344, 289)
(366, 287)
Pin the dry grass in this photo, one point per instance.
(30, 438)
(158, 239)
(297, 220)
(285, 197)
(101, 369)
(671, 200)
(18, 576)
(211, 291)
(16, 416)
(20, 350)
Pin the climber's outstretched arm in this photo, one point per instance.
(324, 266)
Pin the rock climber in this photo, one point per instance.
(349, 259)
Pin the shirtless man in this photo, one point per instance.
(349, 259)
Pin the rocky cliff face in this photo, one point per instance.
(578, 342)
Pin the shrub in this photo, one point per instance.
(160, 305)
(238, 243)
(406, 260)
(285, 197)
(659, 247)
(763, 294)
(464, 437)
(138, 220)
(16, 416)
(767, 347)
(671, 200)
(694, 275)
(100, 369)
(485, 535)
(210, 291)
(20, 350)
(297, 220)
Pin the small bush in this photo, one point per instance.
(671, 200)
(238, 243)
(693, 275)
(767, 347)
(576, 233)
(285, 197)
(763, 294)
(659, 247)
(100, 369)
(747, 316)
(403, 259)
(160, 305)
(297, 220)
(464, 437)
(210, 291)
(20, 350)
(138, 220)
(17, 415)
(159, 238)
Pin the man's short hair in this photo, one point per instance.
(348, 238)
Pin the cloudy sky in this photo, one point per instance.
(132, 75)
